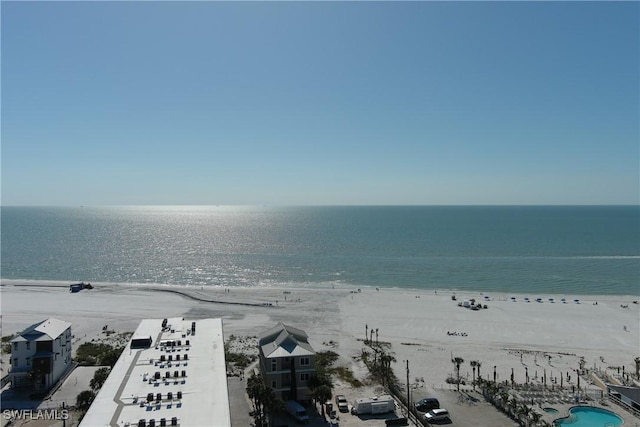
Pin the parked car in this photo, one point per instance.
(427, 404)
(436, 415)
(341, 401)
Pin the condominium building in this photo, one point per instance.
(172, 373)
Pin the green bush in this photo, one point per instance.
(84, 400)
(90, 354)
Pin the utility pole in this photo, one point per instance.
(408, 388)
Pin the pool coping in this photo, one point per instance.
(567, 412)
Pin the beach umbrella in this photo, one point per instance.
(486, 297)
(564, 300)
(513, 299)
(551, 299)
(539, 299)
(526, 299)
(577, 301)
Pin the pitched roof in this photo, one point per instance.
(51, 328)
(284, 341)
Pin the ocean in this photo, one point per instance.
(512, 249)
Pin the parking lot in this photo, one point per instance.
(466, 408)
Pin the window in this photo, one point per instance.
(304, 376)
(15, 346)
(15, 361)
(274, 384)
(304, 361)
(274, 365)
(28, 361)
(28, 345)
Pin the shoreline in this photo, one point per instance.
(38, 283)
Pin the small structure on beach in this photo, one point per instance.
(286, 361)
(41, 355)
(77, 287)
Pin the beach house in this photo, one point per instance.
(287, 361)
(41, 354)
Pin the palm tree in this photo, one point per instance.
(322, 394)
(523, 413)
(474, 364)
(457, 361)
(512, 404)
(478, 364)
(535, 417)
(366, 332)
(376, 336)
(637, 360)
(263, 397)
(504, 398)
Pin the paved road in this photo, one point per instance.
(238, 403)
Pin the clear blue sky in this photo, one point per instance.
(305, 103)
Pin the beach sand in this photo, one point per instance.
(420, 325)
(425, 328)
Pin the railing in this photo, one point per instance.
(624, 406)
(5, 380)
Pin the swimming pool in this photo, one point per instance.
(589, 416)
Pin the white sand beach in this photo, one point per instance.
(426, 328)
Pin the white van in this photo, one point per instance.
(436, 415)
(297, 411)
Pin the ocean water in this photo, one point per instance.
(533, 249)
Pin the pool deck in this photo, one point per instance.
(563, 411)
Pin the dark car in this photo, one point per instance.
(427, 404)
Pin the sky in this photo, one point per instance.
(320, 103)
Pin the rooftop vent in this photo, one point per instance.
(142, 423)
(174, 421)
(163, 422)
(179, 395)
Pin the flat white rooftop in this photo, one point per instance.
(180, 379)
